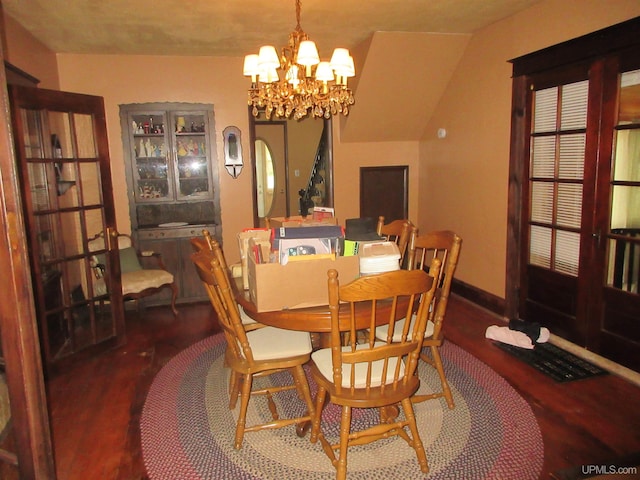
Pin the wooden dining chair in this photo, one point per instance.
(444, 245)
(398, 231)
(207, 242)
(375, 374)
(257, 353)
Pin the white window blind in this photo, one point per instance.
(556, 174)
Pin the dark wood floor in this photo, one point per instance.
(95, 407)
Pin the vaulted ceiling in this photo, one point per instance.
(237, 27)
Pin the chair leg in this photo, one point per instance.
(416, 441)
(174, 296)
(302, 386)
(244, 403)
(317, 417)
(436, 363)
(234, 388)
(345, 428)
(446, 391)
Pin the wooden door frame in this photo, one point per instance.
(328, 129)
(18, 323)
(574, 52)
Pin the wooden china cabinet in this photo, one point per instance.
(172, 180)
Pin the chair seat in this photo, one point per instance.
(271, 343)
(246, 319)
(138, 280)
(381, 332)
(322, 359)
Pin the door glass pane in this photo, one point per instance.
(540, 246)
(567, 252)
(545, 110)
(627, 155)
(557, 157)
(543, 157)
(91, 184)
(569, 205)
(60, 135)
(571, 165)
(71, 233)
(42, 197)
(191, 149)
(32, 135)
(46, 239)
(94, 222)
(629, 110)
(542, 202)
(574, 105)
(624, 241)
(85, 136)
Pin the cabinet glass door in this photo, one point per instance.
(150, 152)
(192, 167)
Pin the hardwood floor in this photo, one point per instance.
(95, 407)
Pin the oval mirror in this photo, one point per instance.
(265, 178)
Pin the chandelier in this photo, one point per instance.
(296, 82)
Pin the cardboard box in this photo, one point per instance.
(300, 221)
(299, 284)
(260, 235)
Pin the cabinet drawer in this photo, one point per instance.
(181, 232)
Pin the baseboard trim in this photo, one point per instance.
(487, 300)
(602, 362)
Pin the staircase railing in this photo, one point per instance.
(319, 163)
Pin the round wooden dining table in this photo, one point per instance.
(315, 319)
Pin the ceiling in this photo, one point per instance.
(235, 27)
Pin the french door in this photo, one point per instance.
(62, 152)
(579, 242)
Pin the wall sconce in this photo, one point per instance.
(232, 151)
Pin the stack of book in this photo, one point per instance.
(308, 243)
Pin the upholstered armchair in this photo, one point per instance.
(137, 281)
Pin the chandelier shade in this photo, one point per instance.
(297, 83)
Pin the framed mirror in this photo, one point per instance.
(301, 155)
(265, 178)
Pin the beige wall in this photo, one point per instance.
(457, 183)
(137, 79)
(24, 51)
(464, 176)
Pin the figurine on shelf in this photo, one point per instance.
(134, 126)
(149, 148)
(142, 151)
(180, 125)
(182, 151)
(192, 147)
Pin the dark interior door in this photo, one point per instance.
(63, 157)
(384, 191)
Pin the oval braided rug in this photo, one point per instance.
(187, 429)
